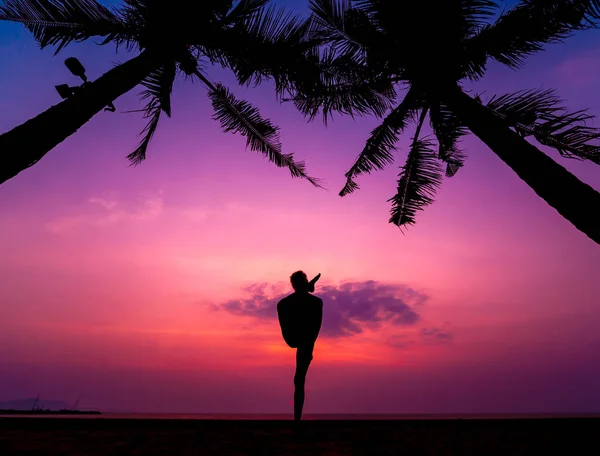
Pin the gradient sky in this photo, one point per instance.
(153, 288)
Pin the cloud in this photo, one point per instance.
(581, 70)
(349, 308)
(107, 209)
(424, 336)
(436, 335)
(106, 203)
(402, 340)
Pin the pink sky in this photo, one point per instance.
(119, 284)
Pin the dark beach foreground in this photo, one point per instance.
(72, 436)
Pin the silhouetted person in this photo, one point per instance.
(300, 317)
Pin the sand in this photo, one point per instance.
(73, 436)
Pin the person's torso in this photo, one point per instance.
(302, 305)
(302, 312)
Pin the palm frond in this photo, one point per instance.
(60, 22)
(244, 9)
(349, 31)
(475, 14)
(238, 116)
(159, 85)
(529, 26)
(323, 68)
(541, 114)
(368, 7)
(418, 182)
(221, 8)
(269, 43)
(274, 45)
(448, 130)
(377, 153)
(274, 25)
(453, 20)
(351, 98)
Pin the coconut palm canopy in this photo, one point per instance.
(404, 61)
(175, 36)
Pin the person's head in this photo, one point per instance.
(299, 281)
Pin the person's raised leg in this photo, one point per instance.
(303, 359)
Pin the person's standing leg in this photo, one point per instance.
(303, 359)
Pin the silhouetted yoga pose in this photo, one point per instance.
(300, 317)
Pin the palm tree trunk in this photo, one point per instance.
(575, 200)
(25, 145)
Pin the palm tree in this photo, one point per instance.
(177, 36)
(425, 49)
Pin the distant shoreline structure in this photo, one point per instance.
(20, 407)
(49, 412)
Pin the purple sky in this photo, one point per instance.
(153, 288)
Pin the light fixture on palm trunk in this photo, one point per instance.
(77, 69)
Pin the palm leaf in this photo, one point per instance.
(238, 116)
(377, 153)
(159, 85)
(269, 43)
(244, 9)
(529, 26)
(278, 45)
(474, 14)
(448, 130)
(452, 19)
(418, 182)
(60, 22)
(273, 44)
(221, 8)
(540, 113)
(323, 69)
(349, 31)
(352, 98)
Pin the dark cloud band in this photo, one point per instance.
(349, 308)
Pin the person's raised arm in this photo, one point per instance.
(311, 284)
